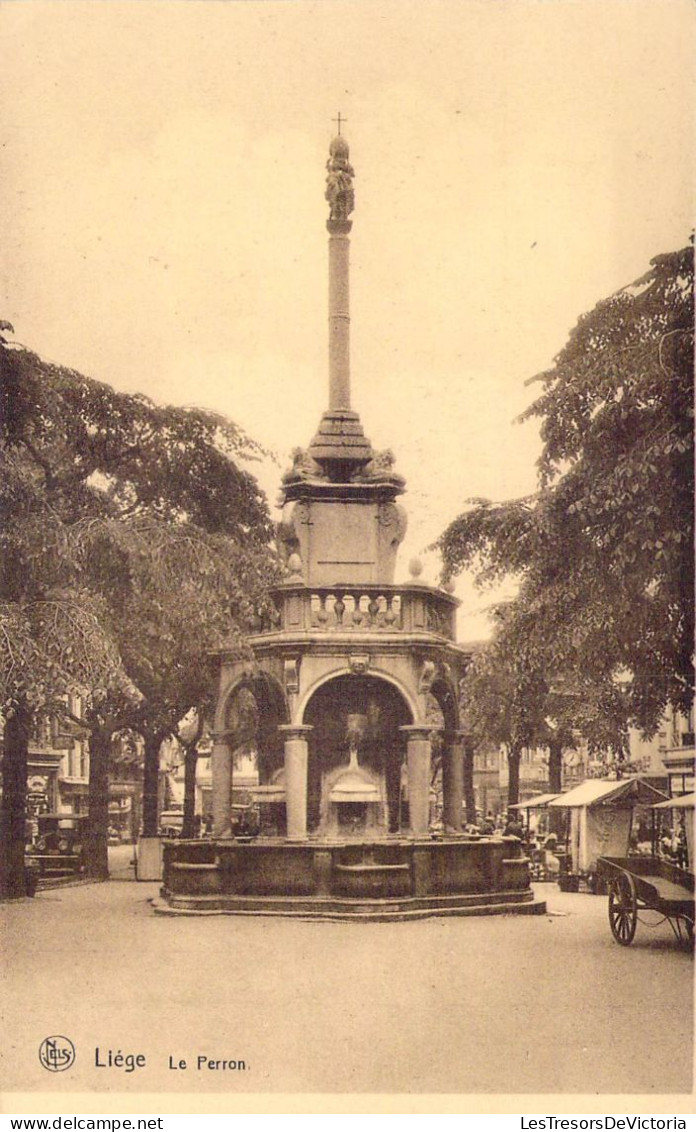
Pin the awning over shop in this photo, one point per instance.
(73, 786)
(272, 793)
(681, 802)
(540, 802)
(599, 792)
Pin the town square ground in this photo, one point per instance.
(500, 1004)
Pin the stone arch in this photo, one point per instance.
(258, 723)
(267, 691)
(377, 673)
(444, 692)
(331, 709)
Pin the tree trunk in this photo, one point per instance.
(188, 828)
(153, 742)
(556, 817)
(97, 840)
(14, 802)
(555, 766)
(469, 794)
(136, 814)
(513, 758)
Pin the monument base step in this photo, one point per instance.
(356, 910)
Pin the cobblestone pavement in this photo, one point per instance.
(545, 1004)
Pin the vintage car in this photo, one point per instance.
(57, 850)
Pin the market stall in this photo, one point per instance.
(546, 862)
(601, 815)
(537, 804)
(682, 808)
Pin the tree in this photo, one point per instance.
(509, 698)
(189, 592)
(189, 733)
(603, 549)
(503, 702)
(53, 639)
(100, 473)
(104, 453)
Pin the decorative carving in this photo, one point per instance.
(294, 565)
(304, 467)
(339, 181)
(379, 466)
(359, 664)
(393, 515)
(291, 676)
(301, 513)
(286, 535)
(415, 568)
(427, 676)
(322, 612)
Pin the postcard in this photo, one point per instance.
(348, 743)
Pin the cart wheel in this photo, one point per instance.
(623, 909)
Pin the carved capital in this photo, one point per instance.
(291, 675)
(418, 732)
(291, 731)
(427, 676)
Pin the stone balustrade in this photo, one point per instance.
(367, 608)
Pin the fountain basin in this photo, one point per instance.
(380, 879)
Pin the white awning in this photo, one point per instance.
(681, 802)
(599, 792)
(272, 793)
(540, 802)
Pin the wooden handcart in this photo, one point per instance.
(638, 884)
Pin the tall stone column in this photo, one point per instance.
(339, 314)
(453, 780)
(418, 752)
(296, 759)
(340, 439)
(221, 767)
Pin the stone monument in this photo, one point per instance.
(356, 698)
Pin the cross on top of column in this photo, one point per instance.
(339, 122)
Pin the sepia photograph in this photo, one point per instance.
(347, 616)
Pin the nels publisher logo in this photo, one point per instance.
(56, 1053)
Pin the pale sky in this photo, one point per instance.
(163, 216)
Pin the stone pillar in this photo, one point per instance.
(221, 767)
(453, 780)
(418, 763)
(469, 749)
(296, 758)
(339, 316)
